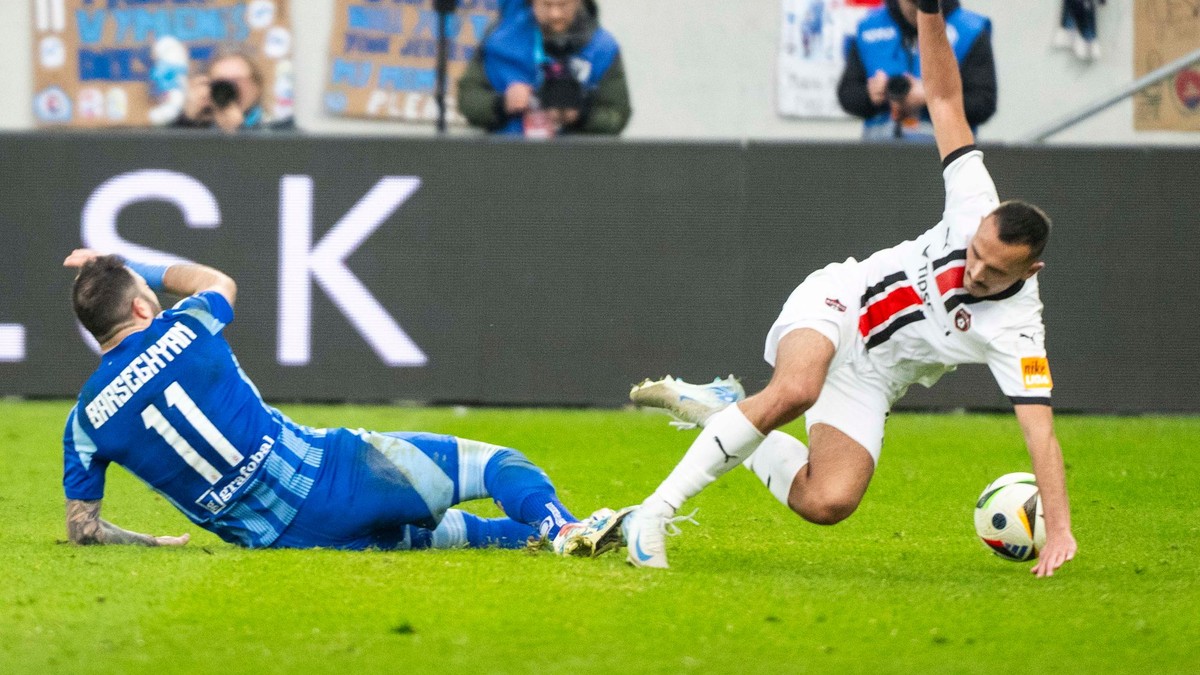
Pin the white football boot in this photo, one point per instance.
(689, 404)
(597, 534)
(645, 531)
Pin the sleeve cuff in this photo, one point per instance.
(953, 156)
(218, 306)
(1029, 400)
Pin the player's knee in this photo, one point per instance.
(828, 510)
(509, 458)
(511, 467)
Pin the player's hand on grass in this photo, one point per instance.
(1059, 549)
(79, 257)
(181, 540)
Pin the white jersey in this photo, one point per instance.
(917, 322)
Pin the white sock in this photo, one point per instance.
(727, 440)
(777, 461)
(451, 532)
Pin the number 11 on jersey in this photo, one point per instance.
(178, 398)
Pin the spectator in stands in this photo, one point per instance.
(882, 84)
(228, 95)
(546, 63)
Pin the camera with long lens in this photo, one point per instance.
(223, 93)
(560, 89)
(898, 88)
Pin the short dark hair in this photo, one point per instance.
(102, 295)
(1023, 223)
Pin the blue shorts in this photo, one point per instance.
(372, 485)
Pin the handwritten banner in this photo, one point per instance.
(812, 54)
(1165, 30)
(383, 57)
(94, 60)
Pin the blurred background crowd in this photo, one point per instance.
(772, 69)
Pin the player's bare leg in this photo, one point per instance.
(801, 364)
(831, 485)
(729, 437)
(822, 483)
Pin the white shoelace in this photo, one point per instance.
(670, 527)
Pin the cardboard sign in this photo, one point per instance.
(383, 57)
(93, 60)
(812, 54)
(1165, 30)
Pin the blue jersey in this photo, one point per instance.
(172, 405)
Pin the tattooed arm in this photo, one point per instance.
(85, 527)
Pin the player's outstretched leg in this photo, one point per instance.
(777, 461)
(439, 471)
(524, 492)
(823, 496)
(728, 438)
(823, 486)
(521, 489)
(459, 529)
(690, 404)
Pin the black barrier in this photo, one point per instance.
(512, 273)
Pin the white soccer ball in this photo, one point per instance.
(1008, 517)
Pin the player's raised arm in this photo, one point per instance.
(84, 527)
(191, 278)
(943, 83)
(182, 279)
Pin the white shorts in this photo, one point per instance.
(855, 399)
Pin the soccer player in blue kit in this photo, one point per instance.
(172, 405)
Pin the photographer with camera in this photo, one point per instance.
(891, 100)
(546, 68)
(228, 95)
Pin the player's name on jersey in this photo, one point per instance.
(140, 370)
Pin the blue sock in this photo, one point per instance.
(464, 530)
(525, 493)
(496, 532)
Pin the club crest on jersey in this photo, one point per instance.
(836, 304)
(962, 319)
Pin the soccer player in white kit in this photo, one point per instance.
(854, 336)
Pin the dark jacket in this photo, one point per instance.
(254, 122)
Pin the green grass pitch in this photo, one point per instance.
(903, 586)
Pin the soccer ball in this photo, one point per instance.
(1008, 517)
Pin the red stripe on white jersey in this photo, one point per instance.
(883, 310)
(951, 279)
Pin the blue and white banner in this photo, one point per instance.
(105, 63)
(383, 57)
(812, 49)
